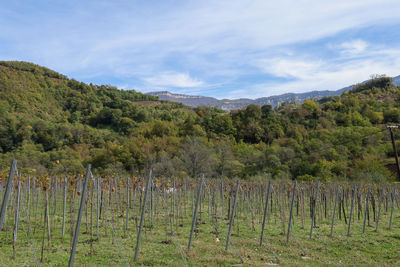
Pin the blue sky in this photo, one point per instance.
(224, 49)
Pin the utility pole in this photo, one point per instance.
(391, 127)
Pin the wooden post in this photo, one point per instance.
(313, 211)
(232, 216)
(334, 209)
(127, 204)
(151, 204)
(98, 206)
(7, 193)
(64, 205)
(379, 210)
(291, 212)
(148, 184)
(173, 203)
(45, 199)
(265, 212)
(194, 216)
(351, 209)
(28, 221)
(78, 222)
(222, 200)
(366, 210)
(16, 216)
(34, 207)
(394, 149)
(391, 208)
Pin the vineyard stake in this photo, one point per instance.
(45, 199)
(48, 216)
(334, 210)
(78, 222)
(28, 220)
(86, 207)
(55, 198)
(366, 210)
(379, 210)
(91, 212)
(16, 216)
(134, 202)
(151, 204)
(394, 149)
(351, 209)
(7, 193)
(110, 203)
(195, 211)
(222, 200)
(98, 205)
(148, 184)
(173, 204)
(232, 216)
(291, 212)
(209, 193)
(265, 212)
(64, 205)
(34, 206)
(127, 204)
(313, 211)
(391, 209)
(302, 207)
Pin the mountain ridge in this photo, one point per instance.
(232, 104)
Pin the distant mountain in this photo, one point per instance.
(231, 104)
(396, 80)
(188, 100)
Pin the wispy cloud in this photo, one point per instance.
(290, 68)
(173, 79)
(350, 48)
(326, 75)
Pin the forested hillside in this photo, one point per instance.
(50, 122)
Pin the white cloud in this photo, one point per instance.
(290, 68)
(353, 47)
(173, 79)
(218, 42)
(325, 75)
(154, 32)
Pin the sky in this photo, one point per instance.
(224, 49)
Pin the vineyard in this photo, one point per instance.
(102, 221)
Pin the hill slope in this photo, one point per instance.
(46, 118)
(29, 88)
